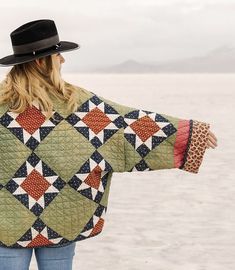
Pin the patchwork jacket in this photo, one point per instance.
(55, 174)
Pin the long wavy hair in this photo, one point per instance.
(29, 82)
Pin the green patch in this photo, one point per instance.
(65, 150)
(113, 151)
(3, 109)
(15, 218)
(162, 157)
(132, 157)
(13, 153)
(68, 213)
(104, 200)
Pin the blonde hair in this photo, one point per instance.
(27, 82)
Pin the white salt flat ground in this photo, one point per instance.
(169, 219)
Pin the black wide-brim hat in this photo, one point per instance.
(36, 39)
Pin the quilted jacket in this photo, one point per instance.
(55, 174)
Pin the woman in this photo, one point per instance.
(60, 144)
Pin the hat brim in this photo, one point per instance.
(12, 60)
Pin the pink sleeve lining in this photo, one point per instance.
(181, 142)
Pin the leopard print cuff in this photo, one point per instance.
(196, 146)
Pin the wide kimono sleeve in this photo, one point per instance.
(135, 139)
(154, 141)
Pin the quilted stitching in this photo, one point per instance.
(15, 219)
(113, 151)
(64, 150)
(12, 154)
(55, 175)
(162, 157)
(69, 213)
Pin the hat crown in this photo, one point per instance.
(33, 31)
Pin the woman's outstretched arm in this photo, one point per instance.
(139, 140)
(154, 141)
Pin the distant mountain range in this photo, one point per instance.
(221, 60)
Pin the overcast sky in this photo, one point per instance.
(112, 31)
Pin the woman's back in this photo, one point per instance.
(60, 144)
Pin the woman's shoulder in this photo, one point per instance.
(82, 94)
(80, 90)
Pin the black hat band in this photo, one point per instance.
(54, 47)
(36, 46)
